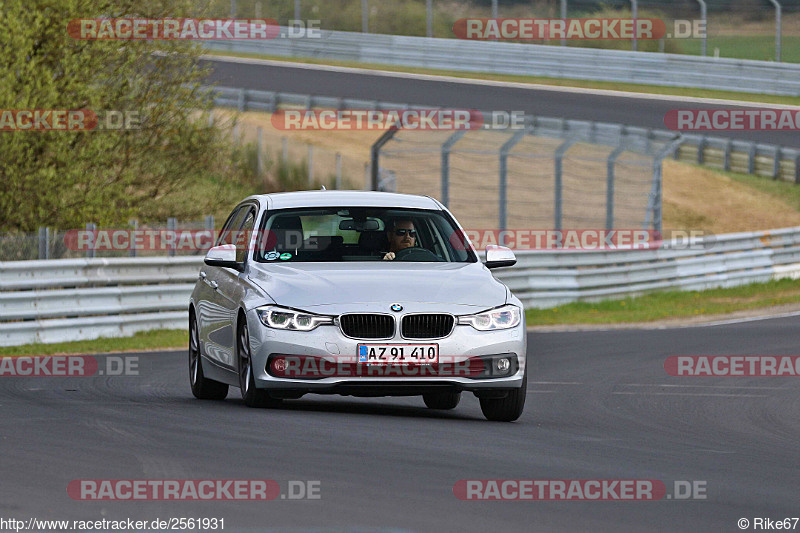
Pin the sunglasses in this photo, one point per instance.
(402, 232)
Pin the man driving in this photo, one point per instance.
(401, 236)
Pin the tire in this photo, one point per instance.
(509, 408)
(202, 387)
(442, 400)
(252, 396)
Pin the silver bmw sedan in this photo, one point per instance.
(355, 293)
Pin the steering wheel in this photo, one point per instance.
(416, 254)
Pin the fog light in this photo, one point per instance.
(503, 364)
(279, 366)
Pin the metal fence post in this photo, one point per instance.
(233, 9)
(364, 17)
(241, 103)
(776, 164)
(701, 150)
(135, 225)
(259, 150)
(43, 243)
(91, 226)
(563, 16)
(284, 150)
(502, 191)
(446, 147)
(612, 160)
(310, 165)
(777, 30)
(704, 18)
(653, 212)
(797, 168)
(297, 9)
(726, 158)
(172, 226)
(375, 153)
(208, 225)
(338, 171)
(429, 17)
(635, 13)
(494, 8)
(751, 159)
(559, 165)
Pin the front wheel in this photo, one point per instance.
(202, 387)
(509, 408)
(252, 396)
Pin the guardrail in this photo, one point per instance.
(674, 70)
(74, 299)
(739, 156)
(60, 300)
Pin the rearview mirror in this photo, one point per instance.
(224, 256)
(350, 224)
(499, 256)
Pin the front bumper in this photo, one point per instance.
(328, 342)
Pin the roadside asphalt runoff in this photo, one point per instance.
(644, 111)
(599, 406)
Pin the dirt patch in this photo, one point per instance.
(699, 198)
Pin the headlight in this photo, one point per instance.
(504, 317)
(282, 318)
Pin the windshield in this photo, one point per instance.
(338, 234)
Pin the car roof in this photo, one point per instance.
(284, 200)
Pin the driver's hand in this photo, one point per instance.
(389, 256)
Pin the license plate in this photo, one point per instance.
(398, 353)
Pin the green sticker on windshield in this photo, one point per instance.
(286, 256)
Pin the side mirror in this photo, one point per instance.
(499, 256)
(223, 255)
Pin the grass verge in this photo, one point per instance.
(144, 340)
(672, 304)
(585, 84)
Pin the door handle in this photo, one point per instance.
(214, 285)
(202, 275)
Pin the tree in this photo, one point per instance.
(64, 178)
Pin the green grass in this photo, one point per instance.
(145, 340)
(555, 82)
(782, 190)
(759, 47)
(672, 304)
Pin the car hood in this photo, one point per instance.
(305, 285)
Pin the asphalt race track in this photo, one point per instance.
(600, 406)
(642, 112)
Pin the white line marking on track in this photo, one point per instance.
(699, 386)
(556, 383)
(692, 394)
